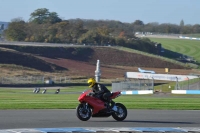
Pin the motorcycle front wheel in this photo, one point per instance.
(121, 112)
(83, 112)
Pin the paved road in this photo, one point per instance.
(10, 119)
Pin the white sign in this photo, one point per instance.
(168, 77)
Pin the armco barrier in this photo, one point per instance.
(185, 91)
(191, 38)
(141, 92)
(136, 92)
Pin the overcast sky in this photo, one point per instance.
(161, 11)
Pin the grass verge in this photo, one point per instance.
(187, 47)
(67, 99)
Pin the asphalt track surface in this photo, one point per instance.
(53, 118)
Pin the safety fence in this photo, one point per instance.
(191, 84)
(34, 80)
(136, 84)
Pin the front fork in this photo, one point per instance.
(85, 106)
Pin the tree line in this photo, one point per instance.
(46, 26)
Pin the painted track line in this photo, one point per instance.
(102, 129)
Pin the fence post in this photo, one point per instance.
(153, 84)
(199, 83)
(177, 84)
(188, 83)
(140, 83)
(43, 79)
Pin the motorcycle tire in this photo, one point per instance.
(121, 112)
(82, 113)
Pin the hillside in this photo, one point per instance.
(78, 61)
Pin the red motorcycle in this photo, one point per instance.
(91, 106)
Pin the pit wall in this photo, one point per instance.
(139, 92)
(185, 91)
(136, 92)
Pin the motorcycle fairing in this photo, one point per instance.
(96, 104)
(115, 94)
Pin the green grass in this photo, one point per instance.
(182, 46)
(174, 102)
(26, 99)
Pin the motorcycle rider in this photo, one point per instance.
(100, 91)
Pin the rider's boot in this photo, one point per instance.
(109, 109)
(110, 105)
(113, 107)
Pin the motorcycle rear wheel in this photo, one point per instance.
(83, 113)
(121, 112)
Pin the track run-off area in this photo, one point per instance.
(65, 120)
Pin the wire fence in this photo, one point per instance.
(191, 84)
(126, 85)
(141, 84)
(34, 80)
(137, 84)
